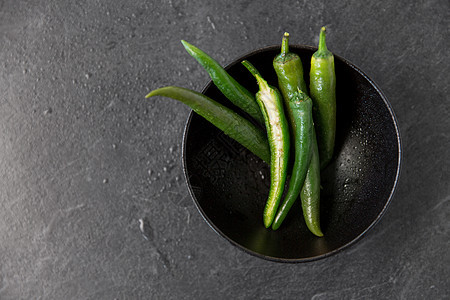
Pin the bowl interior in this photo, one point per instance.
(230, 185)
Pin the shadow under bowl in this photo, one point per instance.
(230, 185)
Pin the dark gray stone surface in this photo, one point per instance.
(86, 162)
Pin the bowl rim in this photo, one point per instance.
(334, 251)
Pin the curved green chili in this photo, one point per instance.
(310, 193)
(234, 91)
(306, 171)
(300, 107)
(269, 100)
(231, 123)
(323, 93)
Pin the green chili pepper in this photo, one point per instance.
(310, 193)
(234, 91)
(300, 107)
(231, 123)
(290, 80)
(289, 69)
(323, 93)
(269, 100)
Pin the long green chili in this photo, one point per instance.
(234, 91)
(271, 104)
(310, 193)
(300, 107)
(231, 123)
(323, 93)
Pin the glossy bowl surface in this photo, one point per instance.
(229, 184)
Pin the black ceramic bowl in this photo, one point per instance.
(230, 185)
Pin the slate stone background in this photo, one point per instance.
(86, 162)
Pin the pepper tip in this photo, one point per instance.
(250, 67)
(189, 48)
(319, 234)
(275, 226)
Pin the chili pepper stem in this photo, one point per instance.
(285, 44)
(322, 42)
